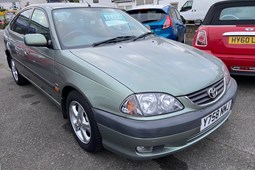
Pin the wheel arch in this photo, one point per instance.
(8, 55)
(64, 93)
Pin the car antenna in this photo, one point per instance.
(88, 4)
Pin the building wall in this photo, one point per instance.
(9, 5)
(118, 3)
(179, 3)
(101, 2)
(128, 5)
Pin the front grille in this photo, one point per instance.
(202, 97)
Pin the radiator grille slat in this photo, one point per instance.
(201, 97)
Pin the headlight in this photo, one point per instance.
(150, 104)
(226, 73)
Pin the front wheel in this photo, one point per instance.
(83, 123)
(18, 78)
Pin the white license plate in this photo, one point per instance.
(214, 116)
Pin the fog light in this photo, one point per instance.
(144, 149)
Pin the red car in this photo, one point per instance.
(228, 32)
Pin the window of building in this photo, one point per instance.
(143, 2)
(175, 4)
(128, 7)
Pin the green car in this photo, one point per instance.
(121, 87)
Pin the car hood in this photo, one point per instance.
(155, 65)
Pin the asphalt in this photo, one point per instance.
(34, 135)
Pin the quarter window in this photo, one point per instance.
(21, 23)
(178, 15)
(173, 14)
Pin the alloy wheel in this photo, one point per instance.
(80, 122)
(14, 70)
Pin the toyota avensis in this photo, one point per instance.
(121, 87)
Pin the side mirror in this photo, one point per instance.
(198, 22)
(35, 40)
(183, 20)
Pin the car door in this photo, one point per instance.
(16, 46)
(178, 26)
(40, 60)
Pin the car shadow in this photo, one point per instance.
(245, 80)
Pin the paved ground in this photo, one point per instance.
(33, 135)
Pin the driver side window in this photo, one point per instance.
(39, 24)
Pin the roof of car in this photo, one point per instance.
(150, 7)
(65, 5)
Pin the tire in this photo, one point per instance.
(83, 123)
(18, 78)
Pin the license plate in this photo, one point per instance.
(214, 116)
(241, 40)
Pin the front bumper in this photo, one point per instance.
(122, 135)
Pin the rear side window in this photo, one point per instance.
(147, 15)
(173, 13)
(21, 22)
(231, 13)
(238, 13)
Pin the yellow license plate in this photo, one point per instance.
(241, 40)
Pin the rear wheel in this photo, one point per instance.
(83, 123)
(18, 78)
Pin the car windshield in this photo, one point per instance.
(81, 27)
(147, 15)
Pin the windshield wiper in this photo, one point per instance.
(143, 35)
(113, 40)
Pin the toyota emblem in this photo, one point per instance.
(212, 92)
